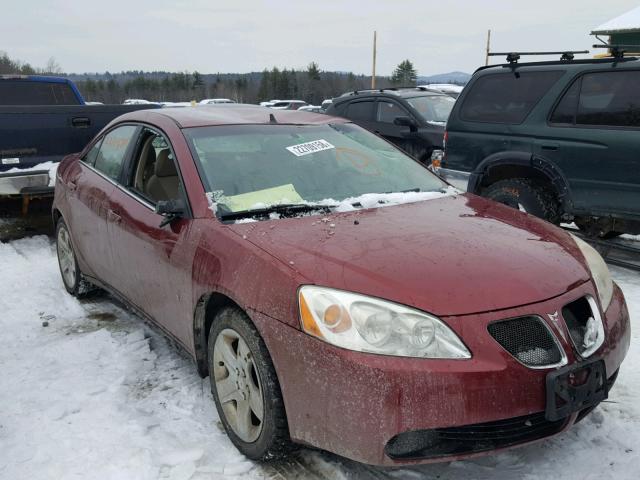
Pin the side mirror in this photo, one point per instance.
(170, 210)
(406, 122)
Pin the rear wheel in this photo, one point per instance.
(525, 195)
(245, 387)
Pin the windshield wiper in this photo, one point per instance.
(284, 209)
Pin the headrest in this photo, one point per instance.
(164, 164)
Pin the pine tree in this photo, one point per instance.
(264, 91)
(313, 71)
(197, 80)
(404, 74)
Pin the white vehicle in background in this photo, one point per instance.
(325, 104)
(177, 104)
(137, 101)
(288, 105)
(311, 108)
(268, 103)
(213, 101)
(450, 89)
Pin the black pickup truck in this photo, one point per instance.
(43, 119)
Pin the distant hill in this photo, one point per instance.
(459, 78)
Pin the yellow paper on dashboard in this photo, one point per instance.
(260, 198)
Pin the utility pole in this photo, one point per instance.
(486, 61)
(373, 75)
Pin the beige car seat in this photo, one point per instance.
(164, 184)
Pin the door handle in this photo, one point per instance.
(550, 147)
(113, 216)
(80, 122)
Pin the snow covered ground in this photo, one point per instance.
(97, 394)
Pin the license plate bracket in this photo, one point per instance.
(574, 388)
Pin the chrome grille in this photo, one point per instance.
(529, 340)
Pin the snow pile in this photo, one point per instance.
(97, 394)
(52, 167)
(377, 200)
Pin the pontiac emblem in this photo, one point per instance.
(555, 319)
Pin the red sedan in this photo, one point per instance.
(335, 291)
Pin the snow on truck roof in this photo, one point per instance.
(232, 114)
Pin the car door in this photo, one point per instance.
(90, 184)
(593, 136)
(153, 262)
(387, 110)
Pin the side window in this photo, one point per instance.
(110, 158)
(610, 98)
(155, 175)
(565, 112)
(90, 157)
(388, 111)
(360, 110)
(506, 97)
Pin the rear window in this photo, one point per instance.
(26, 92)
(110, 159)
(360, 110)
(506, 97)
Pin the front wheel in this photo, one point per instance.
(72, 278)
(245, 387)
(525, 195)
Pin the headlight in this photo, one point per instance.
(599, 272)
(366, 324)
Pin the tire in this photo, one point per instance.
(527, 195)
(72, 277)
(241, 373)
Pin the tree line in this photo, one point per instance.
(310, 84)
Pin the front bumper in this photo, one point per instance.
(20, 182)
(354, 404)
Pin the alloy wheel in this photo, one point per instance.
(66, 257)
(238, 385)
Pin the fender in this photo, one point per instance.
(544, 166)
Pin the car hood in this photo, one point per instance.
(449, 256)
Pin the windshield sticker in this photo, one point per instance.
(310, 147)
(262, 198)
(10, 161)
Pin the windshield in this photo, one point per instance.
(433, 108)
(254, 166)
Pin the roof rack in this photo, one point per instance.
(618, 50)
(513, 57)
(387, 89)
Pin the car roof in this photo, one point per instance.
(230, 114)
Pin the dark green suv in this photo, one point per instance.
(560, 140)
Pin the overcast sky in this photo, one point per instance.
(248, 35)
